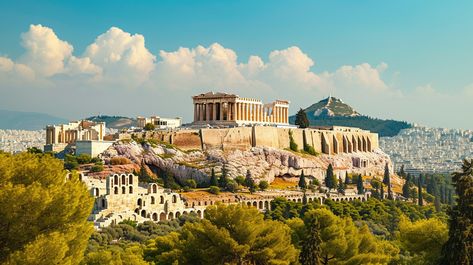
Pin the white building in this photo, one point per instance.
(159, 123)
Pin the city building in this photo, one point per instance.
(159, 123)
(221, 109)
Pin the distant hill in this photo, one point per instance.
(115, 122)
(18, 120)
(333, 111)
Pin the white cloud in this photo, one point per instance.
(45, 52)
(121, 56)
(117, 60)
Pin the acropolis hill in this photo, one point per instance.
(249, 135)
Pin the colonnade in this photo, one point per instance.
(249, 111)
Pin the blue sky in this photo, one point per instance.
(426, 44)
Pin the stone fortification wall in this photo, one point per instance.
(243, 138)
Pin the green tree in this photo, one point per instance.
(341, 186)
(381, 191)
(386, 178)
(406, 188)
(420, 199)
(344, 243)
(44, 214)
(263, 185)
(423, 239)
(459, 247)
(301, 119)
(359, 184)
(390, 193)
(229, 234)
(347, 179)
(223, 180)
(311, 250)
(149, 127)
(302, 183)
(249, 182)
(213, 178)
(330, 178)
(214, 190)
(191, 183)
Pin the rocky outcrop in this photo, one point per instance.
(264, 163)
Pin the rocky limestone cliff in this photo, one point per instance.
(264, 163)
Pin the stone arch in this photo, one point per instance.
(299, 200)
(174, 198)
(170, 216)
(155, 217)
(310, 199)
(161, 199)
(199, 213)
(162, 216)
(143, 213)
(137, 210)
(115, 190)
(153, 200)
(123, 180)
(255, 204)
(115, 179)
(184, 212)
(177, 214)
(266, 205)
(155, 188)
(130, 189)
(248, 203)
(260, 205)
(130, 179)
(123, 190)
(140, 202)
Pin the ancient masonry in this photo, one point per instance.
(120, 197)
(231, 110)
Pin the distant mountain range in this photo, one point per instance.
(18, 120)
(333, 111)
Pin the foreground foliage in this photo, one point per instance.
(43, 217)
(230, 234)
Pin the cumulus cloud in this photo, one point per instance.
(45, 52)
(117, 60)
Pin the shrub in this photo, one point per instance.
(83, 158)
(240, 180)
(96, 168)
(232, 186)
(71, 164)
(149, 127)
(214, 190)
(310, 150)
(119, 160)
(191, 183)
(263, 185)
(292, 144)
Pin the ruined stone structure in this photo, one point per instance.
(330, 140)
(58, 137)
(120, 197)
(223, 109)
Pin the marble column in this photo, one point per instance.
(201, 112)
(234, 111)
(221, 111)
(195, 112)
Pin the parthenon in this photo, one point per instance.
(232, 110)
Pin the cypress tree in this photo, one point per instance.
(249, 182)
(341, 186)
(405, 190)
(311, 249)
(330, 179)
(213, 178)
(381, 195)
(459, 248)
(302, 184)
(402, 173)
(420, 199)
(386, 179)
(222, 182)
(301, 119)
(359, 185)
(390, 193)
(347, 179)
